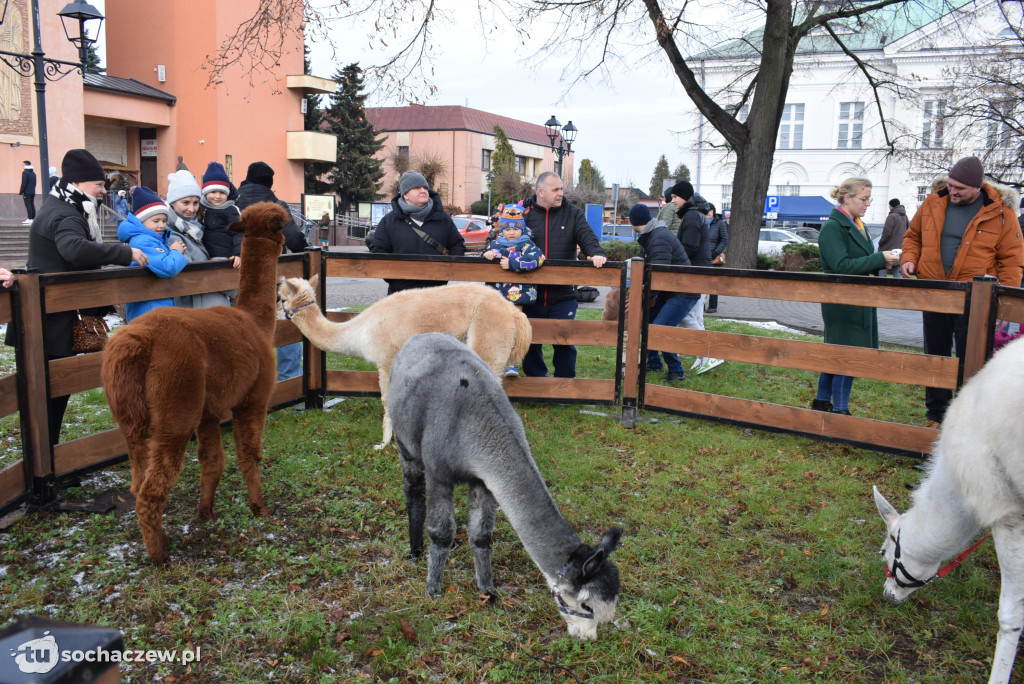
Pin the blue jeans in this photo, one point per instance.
(289, 361)
(564, 357)
(837, 388)
(668, 312)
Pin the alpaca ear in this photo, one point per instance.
(610, 540)
(591, 565)
(314, 280)
(285, 288)
(885, 509)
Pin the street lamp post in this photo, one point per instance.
(557, 132)
(45, 69)
(490, 180)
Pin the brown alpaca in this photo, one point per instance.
(473, 313)
(176, 372)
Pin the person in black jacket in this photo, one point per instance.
(217, 212)
(28, 191)
(559, 228)
(718, 236)
(416, 224)
(259, 178)
(65, 236)
(660, 246)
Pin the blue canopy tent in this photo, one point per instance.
(804, 209)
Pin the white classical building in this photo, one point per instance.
(831, 125)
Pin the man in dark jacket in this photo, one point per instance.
(558, 229)
(28, 191)
(65, 236)
(892, 234)
(259, 179)
(416, 224)
(660, 246)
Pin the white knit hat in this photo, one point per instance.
(182, 184)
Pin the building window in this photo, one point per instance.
(443, 192)
(932, 125)
(726, 198)
(787, 189)
(521, 164)
(791, 131)
(998, 133)
(851, 125)
(403, 152)
(922, 192)
(485, 161)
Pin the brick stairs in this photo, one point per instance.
(14, 240)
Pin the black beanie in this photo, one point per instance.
(79, 166)
(260, 173)
(639, 215)
(894, 203)
(682, 189)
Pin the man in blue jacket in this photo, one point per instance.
(559, 228)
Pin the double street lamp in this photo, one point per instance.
(74, 18)
(557, 132)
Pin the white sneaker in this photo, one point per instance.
(512, 372)
(708, 364)
(698, 362)
(26, 222)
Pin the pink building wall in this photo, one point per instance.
(244, 117)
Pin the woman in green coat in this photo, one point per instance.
(846, 248)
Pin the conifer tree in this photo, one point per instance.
(356, 174)
(660, 174)
(503, 158)
(682, 173)
(589, 177)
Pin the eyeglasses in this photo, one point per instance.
(865, 200)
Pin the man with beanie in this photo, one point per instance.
(695, 234)
(259, 179)
(892, 234)
(967, 229)
(416, 224)
(28, 191)
(661, 246)
(559, 230)
(65, 236)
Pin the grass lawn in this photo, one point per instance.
(747, 556)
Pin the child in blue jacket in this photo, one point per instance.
(146, 228)
(515, 250)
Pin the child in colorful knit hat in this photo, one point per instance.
(146, 229)
(217, 212)
(515, 251)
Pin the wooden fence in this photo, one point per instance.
(27, 391)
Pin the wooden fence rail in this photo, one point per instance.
(28, 390)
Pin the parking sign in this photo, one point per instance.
(771, 203)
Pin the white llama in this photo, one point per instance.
(975, 480)
(453, 424)
(474, 313)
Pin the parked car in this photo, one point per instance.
(474, 231)
(771, 241)
(808, 233)
(617, 231)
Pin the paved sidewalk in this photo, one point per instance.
(895, 326)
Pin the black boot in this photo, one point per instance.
(844, 412)
(822, 405)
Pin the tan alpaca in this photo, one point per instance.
(174, 372)
(473, 313)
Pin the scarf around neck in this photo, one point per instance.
(186, 227)
(84, 203)
(418, 213)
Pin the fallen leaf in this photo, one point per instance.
(407, 631)
(681, 659)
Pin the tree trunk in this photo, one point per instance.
(749, 188)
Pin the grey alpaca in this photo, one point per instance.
(453, 424)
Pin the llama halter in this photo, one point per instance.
(564, 608)
(913, 582)
(288, 313)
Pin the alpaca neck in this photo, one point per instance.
(340, 338)
(257, 281)
(526, 502)
(939, 525)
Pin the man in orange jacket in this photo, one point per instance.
(967, 229)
